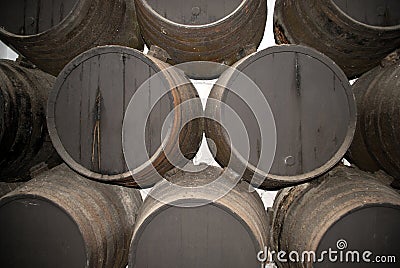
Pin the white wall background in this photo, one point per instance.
(6, 53)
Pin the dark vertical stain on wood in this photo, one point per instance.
(24, 18)
(300, 156)
(52, 13)
(124, 105)
(297, 75)
(61, 11)
(80, 112)
(38, 10)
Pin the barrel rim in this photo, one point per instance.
(201, 26)
(15, 195)
(46, 32)
(51, 120)
(295, 179)
(141, 226)
(372, 27)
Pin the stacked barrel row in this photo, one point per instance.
(279, 117)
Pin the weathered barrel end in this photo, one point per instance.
(356, 34)
(52, 33)
(308, 120)
(117, 115)
(184, 225)
(60, 219)
(220, 31)
(345, 210)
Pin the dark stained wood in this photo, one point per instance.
(206, 236)
(6, 187)
(220, 31)
(381, 234)
(51, 33)
(194, 12)
(356, 34)
(376, 143)
(29, 17)
(228, 232)
(60, 219)
(24, 141)
(372, 12)
(30, 226)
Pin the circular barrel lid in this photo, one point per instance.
(373, 228)
(22, 17)
(37, 233)
(312, 105)
(194, 12)
(87, 106)
(199, 31)
(189, 224)
(381, 13)
(205, 236)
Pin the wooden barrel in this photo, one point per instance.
(6, 187)
(60, 219)
(52, 33)
(376, 144)
(187, 227)
(345, 210)
(24, 141)
(222, 31)
(312, 108)
(90, 101)
(356, 34)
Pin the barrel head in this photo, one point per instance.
(87, 108)
(37, 233)
(194, 12)
(218, 31)
(313, 108)
(205, 236)
(372, 228)
(22, 17)
(381, 13)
